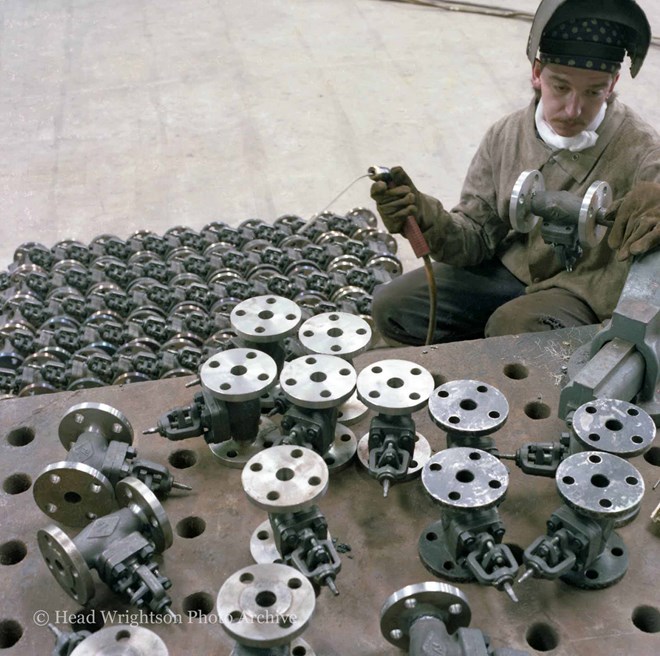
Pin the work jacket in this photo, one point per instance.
(627, 152)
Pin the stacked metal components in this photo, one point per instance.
(156, 306)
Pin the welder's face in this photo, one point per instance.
(572, 97)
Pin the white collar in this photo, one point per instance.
(584, 139)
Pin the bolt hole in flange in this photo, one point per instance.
(21, 436)
(182, 459)
(10, 633)
(190, 527)
(198, 604)
(17, 483)
(123, 635)
(542, 637)
(12, 552)
(646, 619)
(537, 410)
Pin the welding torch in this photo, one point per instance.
(419, 246)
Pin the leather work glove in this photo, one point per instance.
(398, 201)
(636, 226)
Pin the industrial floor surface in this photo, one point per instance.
(147, 114)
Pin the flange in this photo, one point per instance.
(421, 455)
(94, 418)
(234, 453)
(265, 318)
(394, 387)
(613, 426)
(317, 381)
(239, 374)
(265, 605)
(122, 640)
(597, 199)
(351, 411)
(528, 184)
(285, 478)
(73, 493)
(599, 485)
(468, 407)
(465, 479)
(335, 333)
(132, 492)
(432, 597)
(66, 563)
(342, 449)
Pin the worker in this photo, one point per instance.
(492, 280)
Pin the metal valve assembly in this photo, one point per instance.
(393, 451)
(287, 481)
(82, 487)
(120, 546)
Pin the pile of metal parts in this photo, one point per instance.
(156, 306)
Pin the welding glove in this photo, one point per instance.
(396, 199)
(636, 226)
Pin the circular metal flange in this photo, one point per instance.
(363, 214)
(285, 478)
(265, 605)
(94, 418)
(66, 563)
(436, 555)
(613, 426)
(335, 333)
(318, 381)
(468, 407)
(394, 387)
(73, 493)
(597, 198)
(132, 492)
(465, 479)
(122, 640)
(599, 485)
(240, 374)
(352, 411)
(528, 184)
(432, 597)
(265, 318)
(421, 455)
(342, 449)
(235, 454)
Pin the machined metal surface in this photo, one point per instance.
(94, 417)
(394, 387)
(613, 426)
(528, 184)
(285, 478)
(265, 318)
(335, 333)
(352, 411)
(597, 199)
(235, 453)
(599, 485)
(265, 605)
(465, 478)
(468, 407)
(318, 381)
(122, 640)
(445, 600)
(239, 374)
(421, 455)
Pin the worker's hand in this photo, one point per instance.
(396, 198)
(636, 226)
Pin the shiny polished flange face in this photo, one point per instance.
(335, 333)
(265, 605)
(122, 639)
(265, 318)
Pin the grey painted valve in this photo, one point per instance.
(118, 640)
(265, 608)
(426, 619)
(581, 547)
(227, 412)
(287, 481)
(82, 487)
(466, 543)
(393, 451)
(313, 388)
(121, 547)
(469, 411)
(344, 335)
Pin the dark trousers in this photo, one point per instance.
(473, 302)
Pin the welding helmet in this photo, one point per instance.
(588, 34)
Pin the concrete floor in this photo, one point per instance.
(131, 114)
